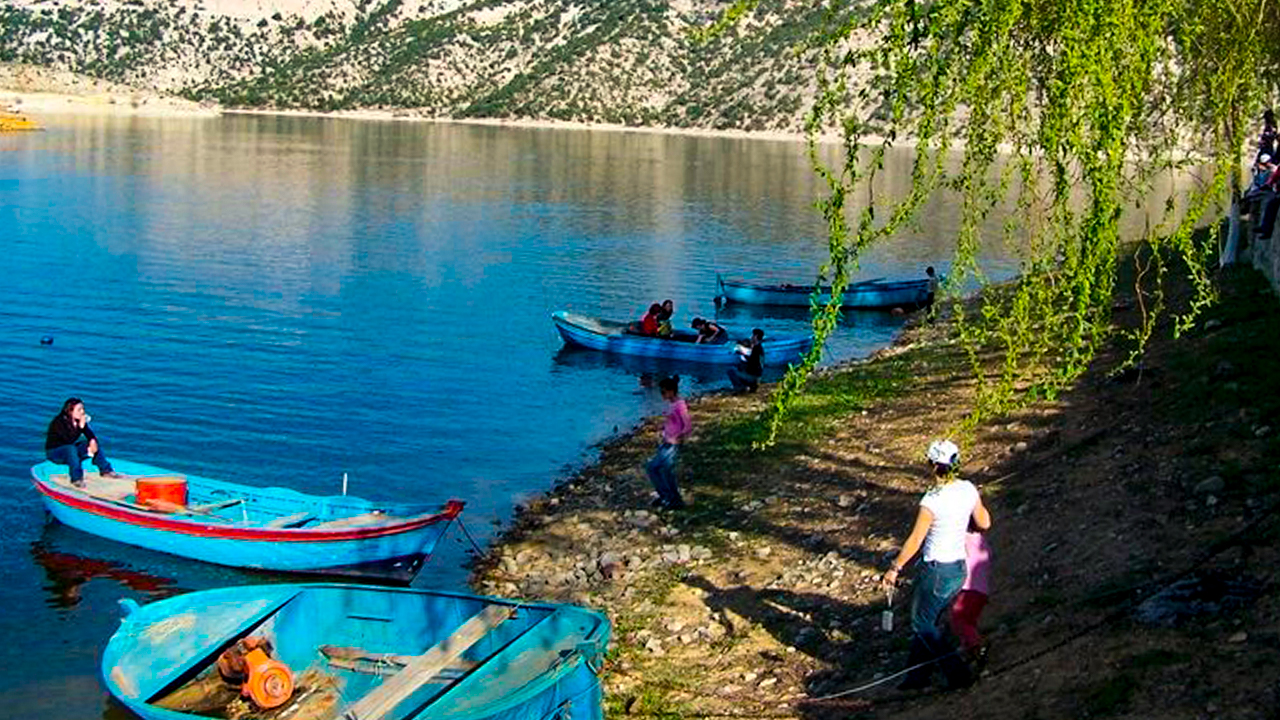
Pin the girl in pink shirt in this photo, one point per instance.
(662, 466)
(972, 598)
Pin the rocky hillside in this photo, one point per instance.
(634, 62)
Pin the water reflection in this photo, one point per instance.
(647, 370)
(67, 572)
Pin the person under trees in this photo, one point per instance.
(938, 535)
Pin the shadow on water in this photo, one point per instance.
(70, 559)
(648, 370)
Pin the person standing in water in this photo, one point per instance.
(69, 441)
(675, 428)
(945, 514)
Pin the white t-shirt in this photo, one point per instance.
(952, 505)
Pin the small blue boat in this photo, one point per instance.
(355, 652)
(614, 337)
(868, 294)
(250, 527)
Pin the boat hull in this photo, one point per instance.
(611, 337)
(538, 661)
(393, 552)
(866, 295)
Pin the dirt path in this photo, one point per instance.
(763, 596)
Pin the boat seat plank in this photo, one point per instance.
(383, 700)
(289, 521)
(369, 519)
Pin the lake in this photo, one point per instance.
(282, 300)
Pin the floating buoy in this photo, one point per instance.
(46, 340)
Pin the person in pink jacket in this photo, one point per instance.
(972, 598)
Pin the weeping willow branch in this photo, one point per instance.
(1064, 110)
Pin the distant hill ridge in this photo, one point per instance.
(632, 62)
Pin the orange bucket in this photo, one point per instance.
(162, 491)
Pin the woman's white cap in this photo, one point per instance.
(943, 452)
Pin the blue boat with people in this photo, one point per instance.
(355, 652)
(617, 337)
(868, 294)
(268, 528)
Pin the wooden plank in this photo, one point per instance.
(369, 519)
(290, 520)
(398, 688)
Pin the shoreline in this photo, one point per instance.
(762, 598)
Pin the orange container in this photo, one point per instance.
(162, 491)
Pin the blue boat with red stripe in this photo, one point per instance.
(267, 528)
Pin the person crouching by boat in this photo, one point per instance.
(648, 324)
(946, 513)
(709, 332)
(662, 466)
(664, 318)
(746, 376)
(70, 441)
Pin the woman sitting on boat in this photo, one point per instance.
(70, 441)
(709, 332)
(648, 324)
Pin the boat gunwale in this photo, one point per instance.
(784, 342)
(868, 285)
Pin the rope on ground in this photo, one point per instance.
(880, 681)
(1214, 550)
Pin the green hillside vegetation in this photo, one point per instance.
(634, 62)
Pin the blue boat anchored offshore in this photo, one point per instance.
(355, 652)
(242, 526)
(868, 294)
(614, 337)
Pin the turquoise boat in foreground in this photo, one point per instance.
(613, 337)
(867, 295)
(355, 652)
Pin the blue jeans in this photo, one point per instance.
(743, 380)
(936, 588)
(662, 473)
(73, 455)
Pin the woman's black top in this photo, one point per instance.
(753, 364)
(62, 431)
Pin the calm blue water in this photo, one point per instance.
(284, 300)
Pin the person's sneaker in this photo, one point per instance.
(657, 503)
(112, 474)
(979, 657)
(78, 483)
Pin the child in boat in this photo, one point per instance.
(648, 324)
(746, 376)
(70, 441)
(662, 466)
(664, 319)
(709, 332)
